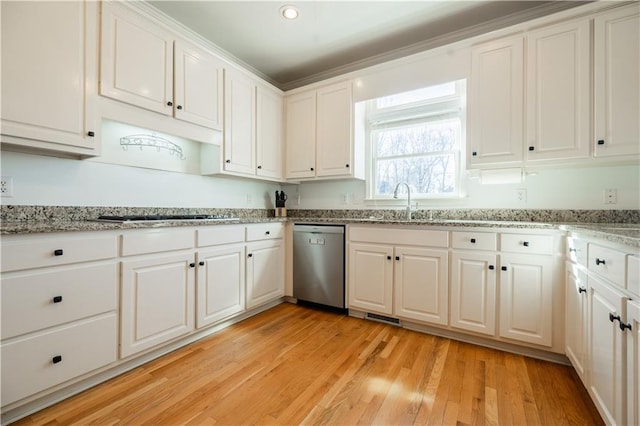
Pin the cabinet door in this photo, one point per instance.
(49, 75)
(265, 272)
(371, 278)
(633, 362)
(199, 86)
(301, 135)
(126, 73)
(240, 123)
(220, 284)
(617, 82)
(269, 133)
(606, 350)
(526, 298)
(157, 301)
(473, 292)
(421, 284)
(576, 319)
(559, 91)
(334, 154)
(496, 105)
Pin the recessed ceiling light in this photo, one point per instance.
(289, 12)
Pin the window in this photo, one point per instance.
(417, 137)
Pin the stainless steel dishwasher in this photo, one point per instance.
(318, 264)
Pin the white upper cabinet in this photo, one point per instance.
(240, 123)
(558, 92)
(199, 86)
(301, 135)
(617, 82)
(49, 75)
(333, 143)
(319, 133)
(147, 80)
(269, 136)
(496, 103)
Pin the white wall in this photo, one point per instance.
(42, 180)
(565, 188)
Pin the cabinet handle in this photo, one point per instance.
(525, 243)
(201, 263)
(532, 148)
(582, 290)
(57, 299)
(572, 250)
(397, 257)
(613, 318)
(227, 161)
(56, 359)
(250, 255)
(473, 240)
(623, 326)
(388, 257)
(491, 267)
(192, 265)
(259, 167)
(474, 154)
(169, 103)
(600, 262)
(91, 134)
(179, 107)
(58, 252)
(504, 268)
(267, 233)
(601, 142)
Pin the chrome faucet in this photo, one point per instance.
(395, 195)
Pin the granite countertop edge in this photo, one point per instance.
(625, 234)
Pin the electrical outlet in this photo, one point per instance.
(6, 186)
(521, 195)
(610, 196)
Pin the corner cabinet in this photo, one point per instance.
(49, 77)
(617, 82)
(319, 134)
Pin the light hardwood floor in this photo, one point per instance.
(297, 365)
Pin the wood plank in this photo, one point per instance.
(298, 365)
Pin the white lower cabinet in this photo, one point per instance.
(265, 272)
(576, 319)
(633, 362)
(607, 350)
(526, 298)
(421, 284)
(157, 301)
(371, 278)
(473, 291)
(220, 284)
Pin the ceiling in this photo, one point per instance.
(334, 37)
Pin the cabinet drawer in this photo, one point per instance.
(31, 364)
(34, 301)
(523, 243)
(474, 241)
(157, 240)
(633, 274)
(31, 253)
(267, 231)
(577, 251)
(607, 263)
(414, 237)
(216, 235)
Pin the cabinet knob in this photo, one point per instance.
(311, 169)
(58, 252)
(179, 107)
(624, 326)
(600, 262)
(532, 148)
(582, 290)
(525, 243)
(474, 154)
(56, 359)
(227, 161)
(504, 268)
(388, 257)
(267, 233)
(259, 167)
(91, 134)
(491, 267)
(397, 257)
(169, 103)
(57, 299)
(601, 142)
(573, 250)
(250, 255)
(613, 317)
(347, 166)
(473, 241)
(201, 263)
(192, 265)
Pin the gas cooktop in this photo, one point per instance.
(160, 218)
